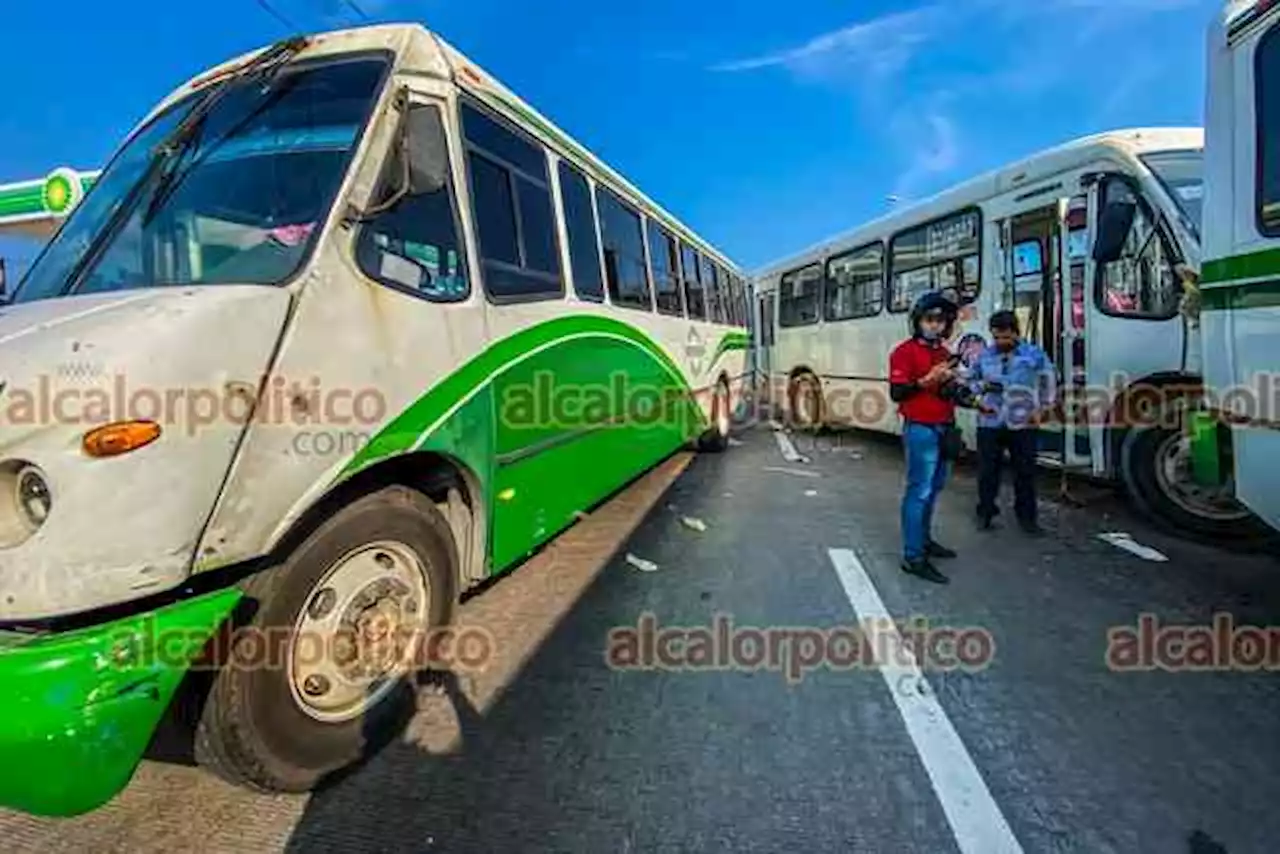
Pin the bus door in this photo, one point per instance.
(1034, 243)
(762, 344)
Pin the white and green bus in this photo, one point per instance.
(1038, 237)
(1239, 440)
(354, 231)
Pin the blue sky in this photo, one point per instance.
(765, 127)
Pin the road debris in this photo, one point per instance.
(811, 493)
(796, 472)
(1122, 540)
(693, 523)
(736, 443)
(641, 564)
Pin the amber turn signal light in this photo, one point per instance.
(110, 440)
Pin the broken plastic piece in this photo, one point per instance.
(641, 564)
(1122, 540)
(693, 523)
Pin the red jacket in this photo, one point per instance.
(908, 363)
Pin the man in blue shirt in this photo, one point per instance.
(1017, 385)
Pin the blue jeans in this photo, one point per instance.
(926, 475)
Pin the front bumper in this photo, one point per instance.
(78, 709)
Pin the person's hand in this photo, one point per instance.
(939, 373)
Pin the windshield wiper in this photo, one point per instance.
(168, 151)
(186, 135)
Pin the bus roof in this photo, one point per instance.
(1124, 144)
(423, 52)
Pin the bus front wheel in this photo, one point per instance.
(322, 673)
(1155, 465)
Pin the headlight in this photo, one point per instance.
(25, 501)
(33, 498)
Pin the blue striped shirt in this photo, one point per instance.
(1029, 384)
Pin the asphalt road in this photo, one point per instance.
(1041, 746)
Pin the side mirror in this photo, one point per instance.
(427, 150)
(1113, 230)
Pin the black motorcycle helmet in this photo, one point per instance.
(932, 301)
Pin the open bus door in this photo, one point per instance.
(1047, 296)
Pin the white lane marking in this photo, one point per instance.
(789, 452)
(976, 821)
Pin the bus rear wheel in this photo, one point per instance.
(716, 438)
(1155, 465)
(321, 675)
(804, 399)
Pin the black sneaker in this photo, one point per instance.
(939, 551)
(923, 569)
(1031, 529)
(986, 523)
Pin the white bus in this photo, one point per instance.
(1124, 339)
(355, 231)
(1240, 286)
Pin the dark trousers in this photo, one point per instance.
(1021, 445)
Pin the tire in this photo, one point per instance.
(1146, 454)
(804, 402)
(716, 439)
(255, 730)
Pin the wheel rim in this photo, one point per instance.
(1174, 476)
(358, 632)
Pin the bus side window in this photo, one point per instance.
(711, 290)
(855, 284)
(799, 293)
(666, 270)
(414, 245)
(1142, 282)
(625, 271)
(511, 201)
(694, 296)
(580, 224)
(1267, 83)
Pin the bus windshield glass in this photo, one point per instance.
(240, 198)
(1182, 173)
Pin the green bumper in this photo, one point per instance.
(78, 709)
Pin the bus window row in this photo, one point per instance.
(944, 254)
(615, 252)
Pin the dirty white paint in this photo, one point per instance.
(125, 526)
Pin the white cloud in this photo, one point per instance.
(882, 45)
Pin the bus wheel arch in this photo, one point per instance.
(806, 408)
(450, 484)
(1149, 450)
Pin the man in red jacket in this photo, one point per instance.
(921, 383)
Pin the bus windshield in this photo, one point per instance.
(238, 204)
(1182, 173)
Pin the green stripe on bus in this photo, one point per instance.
(1253, 295)
(493, 407)
(425, 415)
(1255, 265)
